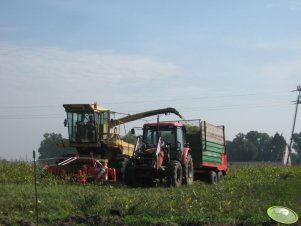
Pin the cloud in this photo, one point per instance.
(49, 63)
(291, 5)
(282, 71)
(54, 75)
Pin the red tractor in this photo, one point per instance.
(168, 150)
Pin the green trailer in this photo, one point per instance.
(208, 146)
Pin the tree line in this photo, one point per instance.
(253, 146)
(256, 146)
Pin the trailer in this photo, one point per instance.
(209, 155)
(178, 152)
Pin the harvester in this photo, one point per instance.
(101, 153)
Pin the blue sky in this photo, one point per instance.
(227, 62)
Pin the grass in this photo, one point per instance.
(242, 198)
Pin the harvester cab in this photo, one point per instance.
(88, 125)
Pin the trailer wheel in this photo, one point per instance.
(212, 177)
(174, 174)
(220, 176)
(188, 171)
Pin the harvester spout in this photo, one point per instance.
(145, 114)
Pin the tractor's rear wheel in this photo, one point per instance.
(174, 174)
(188, 171)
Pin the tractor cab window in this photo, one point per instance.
(82, 127)
(180, 138)
(151, 137)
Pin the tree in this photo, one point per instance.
(261, 142)
(297, 147)
(130, 138)
(49, 147)
(276, 148)
(240, 149)
(255, 146)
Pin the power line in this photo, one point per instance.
(193, 109)
(221, 95)
(239, 106)
(30, 116)
(298, 101)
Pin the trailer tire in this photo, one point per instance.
(212, 177)
(174, 174)
(220, 176)
(188, 172)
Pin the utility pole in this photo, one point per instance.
(294, 123)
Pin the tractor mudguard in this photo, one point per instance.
(184, 156)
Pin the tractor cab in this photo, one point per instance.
(86, 123)
(172, 136)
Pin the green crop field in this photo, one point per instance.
(242, 199)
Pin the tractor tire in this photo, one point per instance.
(121, 164)
(129, 175)
(212, 177)
(188, 172)
(220, 176)
(174, 174)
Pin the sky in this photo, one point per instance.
(231, 63)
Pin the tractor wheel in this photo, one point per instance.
(145, 182)
(220, 176)
(174, 174)
(212, 177)
(129, 175)
(188, 171)
(121, 164)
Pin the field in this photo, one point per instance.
(242, 199)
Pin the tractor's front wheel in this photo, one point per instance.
(188, 171)
(174, 174)
(129, 175)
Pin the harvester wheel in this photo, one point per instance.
(220, 176)
(212, 177)
(188, 171)
(120, 168)
(174, 174)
